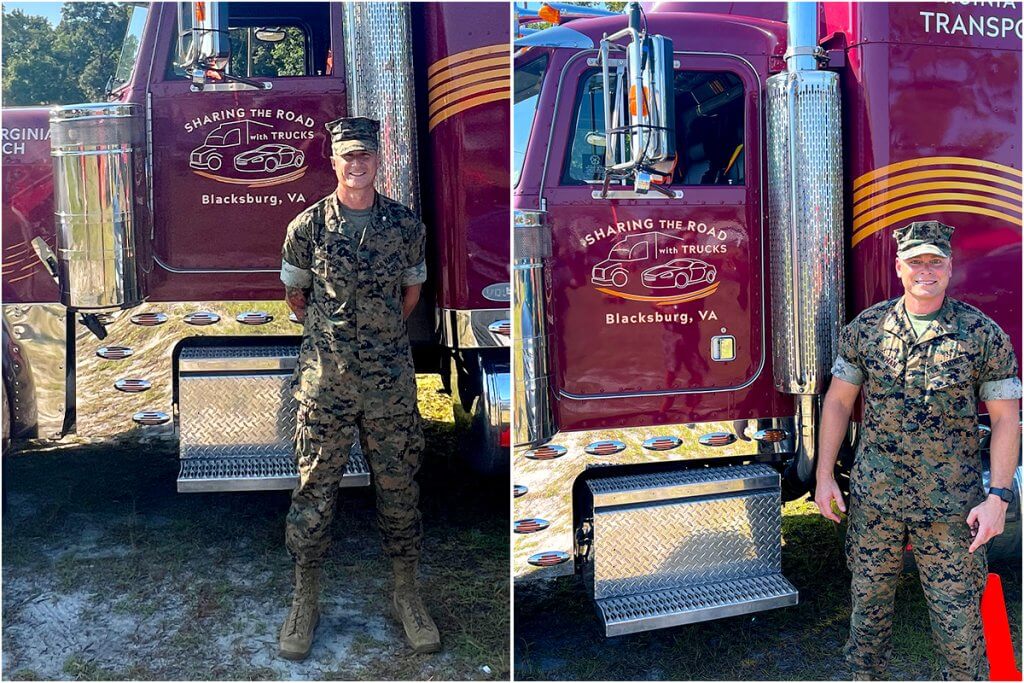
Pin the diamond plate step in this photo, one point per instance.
(692, 604)
(678, 547)
(258, 473)
(237, 421)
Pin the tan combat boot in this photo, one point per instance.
(296, 639)
(408, 608)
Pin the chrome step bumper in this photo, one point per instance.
(681, 547)
(237, 421)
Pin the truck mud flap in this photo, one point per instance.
(674, 548)
(237, 421)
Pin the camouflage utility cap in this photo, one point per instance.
(923, 237)
(354, 134)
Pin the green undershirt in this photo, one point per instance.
(920, 323)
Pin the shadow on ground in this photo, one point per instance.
(108, 573)
(558, 636)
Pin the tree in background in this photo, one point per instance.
(69, 63)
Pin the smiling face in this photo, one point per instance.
(355, 170)
(926, 276)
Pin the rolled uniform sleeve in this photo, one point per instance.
(848, 366)
(415, 272)
(1000, 378)
(297, 254)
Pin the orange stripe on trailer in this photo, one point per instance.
(493, 63)
(888, 207)
(930, 209)
(498, 48)
(445, 101)
(454, 109)
(469, 79)
(878, 199)
(930, 161)
(925, 175)
(19, 279)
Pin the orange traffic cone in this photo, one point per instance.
(998, 647)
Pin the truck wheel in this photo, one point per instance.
(619, 278)
(214, 162)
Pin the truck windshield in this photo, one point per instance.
(130, 46)
(528, 80)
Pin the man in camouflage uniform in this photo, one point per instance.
(353, 264)
(924, 361)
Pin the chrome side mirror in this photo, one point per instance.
(640, 139)
(203, 42)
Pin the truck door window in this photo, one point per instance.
(274, 40)
(709, 130)
(529, 78)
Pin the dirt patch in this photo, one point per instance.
(108, 573)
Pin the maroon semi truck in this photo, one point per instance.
(142, 235)
(665, 409)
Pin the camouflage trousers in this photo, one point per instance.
(952, 578)
(393, 447)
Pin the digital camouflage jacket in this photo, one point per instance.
(918, 446)
(355, 355)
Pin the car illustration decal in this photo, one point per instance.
(241, 150)
(654, 267)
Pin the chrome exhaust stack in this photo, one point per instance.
(379, 70)
(805, 212)
(101, 205)
(534, 423)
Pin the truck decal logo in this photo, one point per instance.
(465, 80)
(895, 194)
(656, 267)
(240, 150)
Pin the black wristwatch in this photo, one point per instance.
(1005, 495)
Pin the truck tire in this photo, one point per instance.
(214, 162)
(619, 278)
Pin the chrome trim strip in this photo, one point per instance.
(630, 194)
(172, 269)
(470, 329)
(247, 364)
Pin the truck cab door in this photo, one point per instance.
(232, 166)
(687, 315)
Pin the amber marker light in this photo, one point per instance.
(632, 100)
(771, 435)
(200, 11)
(550, 14)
